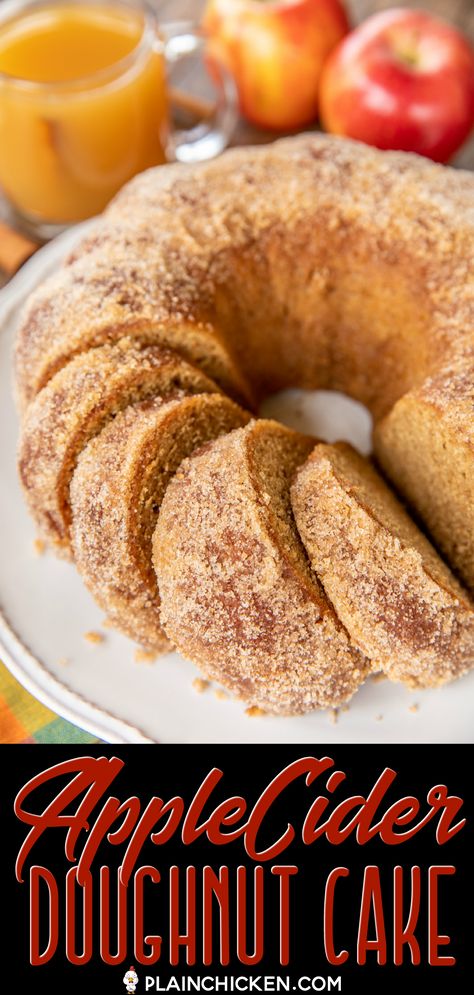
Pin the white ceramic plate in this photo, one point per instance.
(45, 612)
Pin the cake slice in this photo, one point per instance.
(238, 596)
(102, 298)
(75, 405)
(426, 446)
(399, 601)
(116, 493)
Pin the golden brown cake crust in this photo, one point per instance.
(116, 492)
(237, 593)
(399, 602)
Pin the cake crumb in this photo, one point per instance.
(63, 661)
(94, 637)
(379, 718)
(144, 656)
(39, 547)
(254, 712)
(200, 685)
(380, 676)
(414, 708)
(220, 694)
(107, 623)
(333, 715)
(345, 707)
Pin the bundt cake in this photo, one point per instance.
(401, 605)
(314, 262)
(116, 494)
(237, 593)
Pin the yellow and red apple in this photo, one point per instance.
(402, 80)
(275, 50)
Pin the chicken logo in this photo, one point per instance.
(130, 980)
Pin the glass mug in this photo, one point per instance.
(84, 104)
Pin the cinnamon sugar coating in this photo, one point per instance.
(314, 262)
(74, 406)
(116, 494)
(401, 605)
(104, 297)
(425, 445)
(238, 596)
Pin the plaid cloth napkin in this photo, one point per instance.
(23, 719)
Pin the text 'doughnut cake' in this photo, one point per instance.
(314, 262)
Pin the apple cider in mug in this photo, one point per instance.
(83, 104)
(81, 110)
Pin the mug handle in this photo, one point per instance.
(207, 139)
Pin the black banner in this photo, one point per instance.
(243, 869)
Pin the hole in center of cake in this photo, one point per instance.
(326, 414)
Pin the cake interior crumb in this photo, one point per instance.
(254, 712)
(144, 656)
(200, 684)
(39, 547)
(94, 637)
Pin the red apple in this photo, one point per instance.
(402, 80)
(275, 51)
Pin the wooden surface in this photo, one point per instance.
(458, 12)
